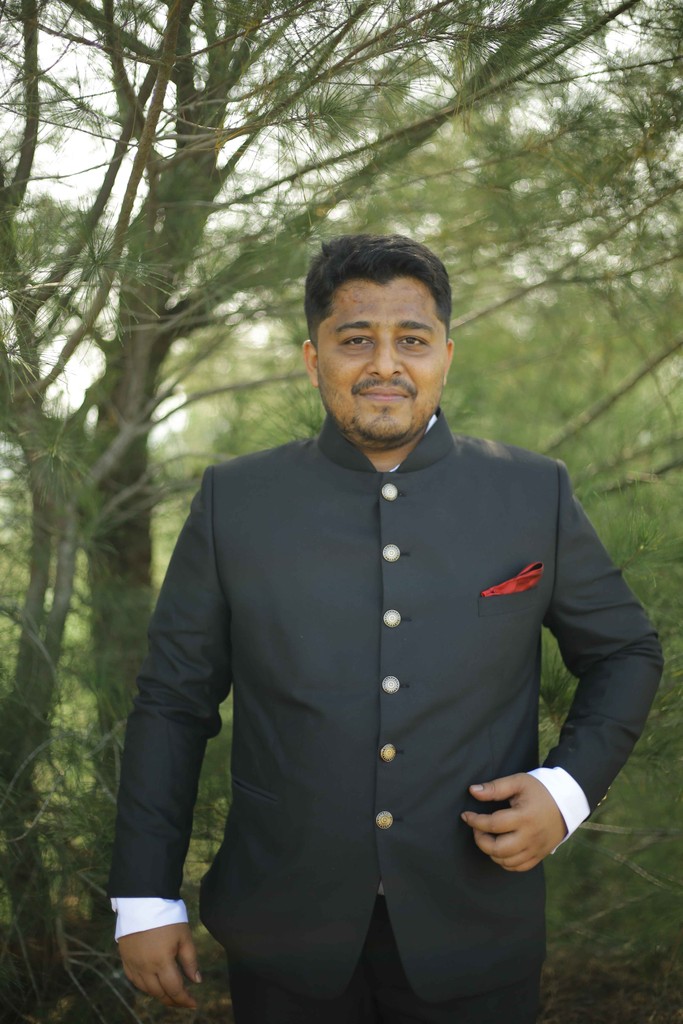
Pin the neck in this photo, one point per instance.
(387, 458)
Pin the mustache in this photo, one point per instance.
(396, 384)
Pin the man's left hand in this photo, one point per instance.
(520, 836)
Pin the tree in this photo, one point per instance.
(221, 136)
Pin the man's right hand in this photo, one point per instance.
(151, 958)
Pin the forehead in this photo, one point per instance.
(402, 298)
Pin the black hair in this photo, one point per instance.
(378, 258)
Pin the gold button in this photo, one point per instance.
(391, 553)
(390, 684)
(384, 819)
(388, 752)
(392, 618)
(390, 492)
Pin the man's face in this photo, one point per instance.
(381, 362)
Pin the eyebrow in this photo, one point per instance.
(410, 325)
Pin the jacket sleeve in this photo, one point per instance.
(182, 682)
(606, 641)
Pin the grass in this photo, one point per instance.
(576, 989)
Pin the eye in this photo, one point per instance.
(413, 342)
(354, 342)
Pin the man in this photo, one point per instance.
(375, 598)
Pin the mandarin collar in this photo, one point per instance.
(434, 445)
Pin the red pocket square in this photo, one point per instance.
(524, 580)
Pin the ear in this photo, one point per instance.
(310, 354)
(450, 348)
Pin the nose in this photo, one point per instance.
(385, 361)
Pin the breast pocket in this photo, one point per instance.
(509, 604)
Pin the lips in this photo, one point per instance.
(381, 391)
(383, 395)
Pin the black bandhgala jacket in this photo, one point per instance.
(278, 588)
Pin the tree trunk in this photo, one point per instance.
(120, 567)
(25, 723)
(120, 554)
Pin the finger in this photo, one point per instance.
(187, 957)
(499, 789)
(512, 861)
(171, 981)
(508, 845)
(149, 983)
(526, 865)
(499, 846)
(485, 842)
(498, 822)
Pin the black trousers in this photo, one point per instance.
(378, 993)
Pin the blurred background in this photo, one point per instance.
(166, 171)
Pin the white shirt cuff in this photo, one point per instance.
(139, 913)
(567, 794)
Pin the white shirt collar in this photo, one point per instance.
(429, 427)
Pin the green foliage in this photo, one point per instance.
(535, 146)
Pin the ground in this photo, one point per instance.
(576, 990)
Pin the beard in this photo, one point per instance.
(381, 432)
(374, 431)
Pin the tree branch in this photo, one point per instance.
(557, 276)
(611, 69)
(224, 389)
(422, 129)
(124, 90)
(97, 19)
(65, 568)
(635, 477)
(621, 830)
(140, 162)
(624, 456)
(599, 408)
(668, 882)
(143, 425)
(314, 74)
(29, 12)
(94, 214)
(285, 16)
